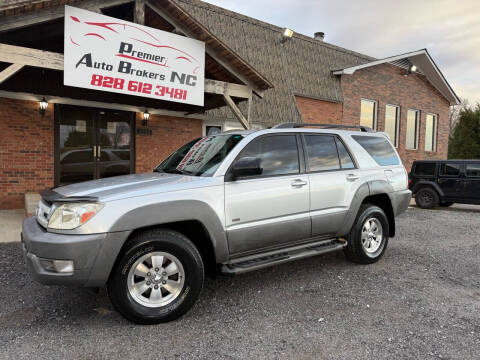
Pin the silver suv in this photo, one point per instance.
(230, 203)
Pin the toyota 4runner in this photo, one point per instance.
(230, 203)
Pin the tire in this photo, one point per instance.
(144, 285)
(426, 198)
(362, 247)
(445, 204)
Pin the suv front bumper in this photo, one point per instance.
(93, 255)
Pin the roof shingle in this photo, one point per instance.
(300, 66)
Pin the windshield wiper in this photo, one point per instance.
(175, 171)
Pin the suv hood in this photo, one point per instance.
(118, 187)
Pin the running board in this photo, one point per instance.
(260, 261)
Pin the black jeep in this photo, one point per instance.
(444, 182)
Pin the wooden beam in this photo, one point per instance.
(52, 99)
(236, 111)
(10, 71)
(224, 88)
(179, 26)
(54, 61)
(45, 15)
(31, 57)
(139, 16)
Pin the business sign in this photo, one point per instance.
(104, 53)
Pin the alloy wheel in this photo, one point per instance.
(372, 236)
(156, 279)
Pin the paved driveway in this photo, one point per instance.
(421, 301)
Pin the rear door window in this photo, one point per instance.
(425, 169)
(473, 170)
(322, 153)
(345, 159)
(450, 169)
(379, 149)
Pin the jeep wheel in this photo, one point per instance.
(368, 238)
(157, 278)
(426, 198)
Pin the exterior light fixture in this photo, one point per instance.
(43, 106)
(411, 69)
(287, 34)
(146, 116)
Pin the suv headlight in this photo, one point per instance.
(71, 216)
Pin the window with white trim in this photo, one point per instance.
(431, 132)
(368, 113)
(413, 124)
(392, 114)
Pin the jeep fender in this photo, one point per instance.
(432, 184)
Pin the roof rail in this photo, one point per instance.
(325, 126)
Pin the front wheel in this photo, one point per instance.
(158, 278)
(368, 237)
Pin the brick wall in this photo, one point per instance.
(319, 111)
(168, 134)
(26, 151)
(387, 85)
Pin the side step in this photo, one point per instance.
(260, 261)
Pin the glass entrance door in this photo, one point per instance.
(92, 143)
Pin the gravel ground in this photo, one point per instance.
(421, 301)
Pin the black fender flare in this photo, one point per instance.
(374, 187)
(425, 183)
(175, 211)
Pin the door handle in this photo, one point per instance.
(352, 177)
(298, 183)
(99, 152)
(94, 152)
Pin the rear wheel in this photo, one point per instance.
(368, 237)
(158, 278)
(426, 198)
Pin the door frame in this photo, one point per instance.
(56, 139)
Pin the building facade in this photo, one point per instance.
(256, 78)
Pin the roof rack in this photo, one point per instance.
(291, 125)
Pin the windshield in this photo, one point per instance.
(200, 157)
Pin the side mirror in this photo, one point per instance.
(246, 166)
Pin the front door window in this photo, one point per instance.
(92, 143)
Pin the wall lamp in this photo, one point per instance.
(287, 34)
(43, 104)
(146, 116)
(411, 69)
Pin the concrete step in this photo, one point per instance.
(11, 225)
(31, 202)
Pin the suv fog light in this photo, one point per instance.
(59, 266)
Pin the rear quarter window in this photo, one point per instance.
(379, 149)
(425, 169)
(450, 169)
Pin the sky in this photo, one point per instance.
(449, 29)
